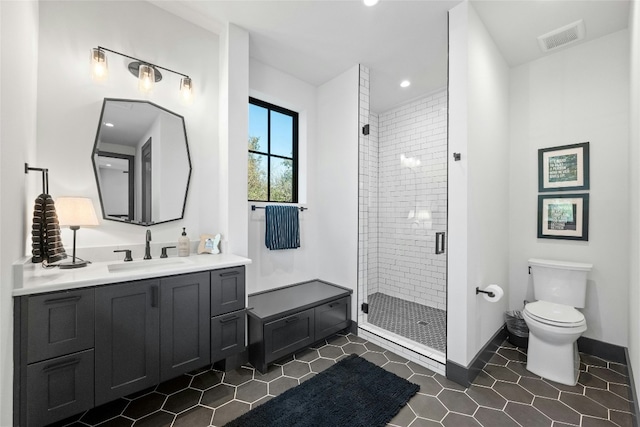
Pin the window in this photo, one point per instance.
(273, 153)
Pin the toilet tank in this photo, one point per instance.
(561, 282)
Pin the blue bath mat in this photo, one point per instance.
(353, 392)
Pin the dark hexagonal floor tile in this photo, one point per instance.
(182, 400)
(428, 385)
(447, 383)
(157, 419)
(621, 418)
(457, 401)
(621, 390)
(356, 339)
(176, 384)
(307, 355)
(584, 405)
(526, 415)
(485, 396)
(273, 372)
(218, 396)
(539, 387)
(419, 369)
(330, 352)
(238, 376)
(608, 399)
(421, 422)
(590, 360)
(499, 360)
(261, 401)
(198, 416)
(427, 407)
(494, 418)
(596, 422)
(395, 358)
(144, 405)
(321, 364)
(607, 375)
(280, 385)
(354, 348)
(587, 379)
(512, 354)
(308, 376)
(484, 379)
(399, 369)
(228, 412)
(104, 412)
(375, 358)
(576, 389)
(556, 410)
(296, 369)
(521, 369)
(621, 369)
(459, 420)
(251, 391)
(206, 380)
(374, 347)
(116, 422)
(501, 373)
(338, 340)
(513, 392)
(404, 417)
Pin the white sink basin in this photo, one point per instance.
(148, 265)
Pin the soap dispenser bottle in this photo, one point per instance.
(183, 244)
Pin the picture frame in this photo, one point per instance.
(564, 168)
(563, 216)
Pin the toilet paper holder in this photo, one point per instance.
(479, 291)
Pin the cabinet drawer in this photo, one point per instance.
(59, 388)
(332, 317)
(60, 323)
(227, 290)
(286, 335)
(227, 335)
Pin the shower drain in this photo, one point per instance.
(422, 322)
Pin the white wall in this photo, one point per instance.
(270, 269)
(69, 103)
(634, 194)
(18, 87)
(337, 187)
(576, 95)
(478, 192)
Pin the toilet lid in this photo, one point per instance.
(549, 312)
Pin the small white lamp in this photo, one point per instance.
(75, 212)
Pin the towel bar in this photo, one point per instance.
(254, 207)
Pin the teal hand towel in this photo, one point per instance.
(283, 227)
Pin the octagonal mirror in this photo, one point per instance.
(141, 162)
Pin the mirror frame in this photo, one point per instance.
(96, 151)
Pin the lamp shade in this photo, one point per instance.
(99, 68)
(76, 211)
(146, 78)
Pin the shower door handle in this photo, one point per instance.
(439, 242)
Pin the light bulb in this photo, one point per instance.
(370, 2)
(99, 68)
(186, 88)
(146, 78)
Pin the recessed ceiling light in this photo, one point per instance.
(370, 2)
(108, 165)
(405, 83)
(109, 125)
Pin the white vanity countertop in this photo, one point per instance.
(32, 278)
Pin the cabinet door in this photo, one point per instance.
(184, 324)
(332, 317)
(60, 323)
(59, 388)
(227, 290)
(127, 339)
(227, 335)
(286, 335)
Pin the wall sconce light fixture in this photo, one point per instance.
(147, 73)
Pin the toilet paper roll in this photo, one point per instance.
(497, 293)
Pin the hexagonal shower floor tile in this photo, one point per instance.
(504, 393)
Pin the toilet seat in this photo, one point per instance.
(553, 314)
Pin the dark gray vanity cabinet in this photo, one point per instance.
(285, 320)
(184, 324)
(127, 339)
(55, 336)
(85, 347)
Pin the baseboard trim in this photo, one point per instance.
(465, 375)
(603, 350)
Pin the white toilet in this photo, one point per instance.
(554, 324)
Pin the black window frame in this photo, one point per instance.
(294, 159)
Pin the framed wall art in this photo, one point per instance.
(564, 216)
(564, 168)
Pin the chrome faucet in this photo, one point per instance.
(147, 248)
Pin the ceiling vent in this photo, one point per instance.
(562, 36)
